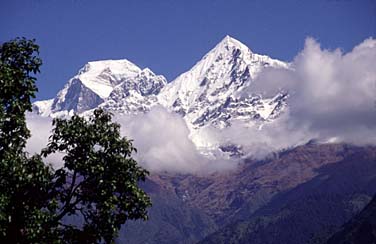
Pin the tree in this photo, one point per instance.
(98, 182)
(99, 178)
(24, 182)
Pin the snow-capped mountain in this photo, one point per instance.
(108, 83)
(211, 93)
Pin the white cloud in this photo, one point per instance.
(332, 94)
(40, 128)
(163, 144)
(161, 139)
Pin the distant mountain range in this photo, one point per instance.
(299, 195)
(209, 94)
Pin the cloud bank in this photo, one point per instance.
(40, 128)
(332, 97)
(163, 144)
(332, 94)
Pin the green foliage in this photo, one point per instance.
(100, 173)
(24, 182)
(98, 181)
(18, 61)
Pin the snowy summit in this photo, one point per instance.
(209, 94)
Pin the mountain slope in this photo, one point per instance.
(302, 196)
(171, 220)
(312, 211)
(359, 230)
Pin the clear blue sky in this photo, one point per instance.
(169, 36)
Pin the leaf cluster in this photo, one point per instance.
(97, 183)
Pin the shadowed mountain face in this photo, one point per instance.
(171, 220)
(302, 195)
(359, 230)
(312, 211)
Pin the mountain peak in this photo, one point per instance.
(115, 66)
(147, 71)
(229, 43)
(208, 92)
(227, 39)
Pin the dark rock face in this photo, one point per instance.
(78, 98)
(149, 85)
(234, 151)
(176, 107)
